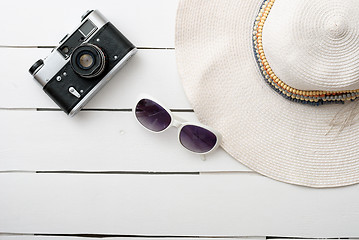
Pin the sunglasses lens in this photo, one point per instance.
(152, 116)
(197, 139)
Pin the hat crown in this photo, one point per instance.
(337, 27)
(314, 44)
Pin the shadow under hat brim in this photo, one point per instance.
(284, 140)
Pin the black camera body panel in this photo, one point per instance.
(111, 41)
(66, 75)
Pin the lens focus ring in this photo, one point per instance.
(88, 60)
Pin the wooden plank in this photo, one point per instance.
(26, 237)
(97, 141)
(150, 71)
(39, 23)
(243, 204)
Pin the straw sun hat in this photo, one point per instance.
(279, 79)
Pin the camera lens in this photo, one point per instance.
(85, 60)
(88, 60)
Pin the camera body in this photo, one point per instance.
(83, 62)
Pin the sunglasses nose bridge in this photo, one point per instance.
(176, 123)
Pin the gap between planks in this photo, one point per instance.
(87, 109)
(112, 236)
(126, 172)
(50, 47)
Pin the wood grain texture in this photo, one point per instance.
(140, 184)
(97, 141)
(149, 71)
(94, 237)
(38, 23)
(202, 205)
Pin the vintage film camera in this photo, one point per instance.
(83, 62)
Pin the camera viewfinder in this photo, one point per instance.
(87, 28)
(77, 38)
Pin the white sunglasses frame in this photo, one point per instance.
(179, 123)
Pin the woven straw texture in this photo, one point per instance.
(287, 141)
(314, 44)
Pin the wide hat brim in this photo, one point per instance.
(287, 141)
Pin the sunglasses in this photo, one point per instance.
(196, 138)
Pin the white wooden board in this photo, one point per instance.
(114, 177)
(94, 237)
(97, 141)
(243, 204)
(43, 23)
(149, 71)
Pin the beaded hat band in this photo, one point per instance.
(308, 51)
(313, 97)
